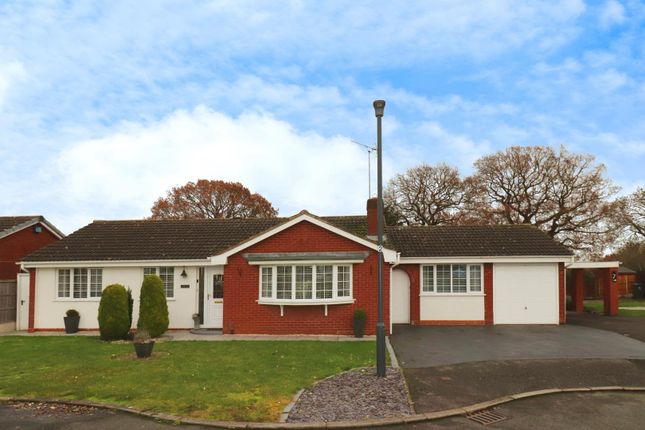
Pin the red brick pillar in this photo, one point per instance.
(610, 291)
(578, 296)
(32, 300)
(488, 291)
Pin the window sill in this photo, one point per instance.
(452, 295)
(344, 301)
(68, 299)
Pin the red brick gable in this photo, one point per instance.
(242, 313)
(20, 244)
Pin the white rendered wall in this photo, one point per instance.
(452, 307)
(50, 309)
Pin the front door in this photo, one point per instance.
(214, 301)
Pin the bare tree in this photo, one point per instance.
(632, 214)
(564, 194)
(212, 199)
(424, 195)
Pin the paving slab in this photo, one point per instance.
(425, 346)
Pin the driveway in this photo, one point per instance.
(633, 327)
(427, 346)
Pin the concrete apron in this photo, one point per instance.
(417, 418)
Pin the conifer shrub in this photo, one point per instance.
(113, 313)
(153, 308)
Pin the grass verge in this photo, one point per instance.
(597, 306)
(233, 380)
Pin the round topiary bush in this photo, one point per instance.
(153, 308)
(113, 313)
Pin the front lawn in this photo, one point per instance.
(230, 380)
(597, 306)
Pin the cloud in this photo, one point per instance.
(609, 81)
(11, 72)
(123, 173)
(610, 14)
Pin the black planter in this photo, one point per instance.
(71, 324)
(359, 327)
(144, 350)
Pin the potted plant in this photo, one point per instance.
(143, 344)
(72, 318)
(359, 322)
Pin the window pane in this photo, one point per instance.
(149, 270)
(267, 282)
(283, 278)
(443, 278)
(476, 278)
(96, 282)
(459, 278)
(63, 283)
(218, 286)
(344, 281)
(428, 279)
(80, 283)
(304, 283)
(324, 282)
(167, 275)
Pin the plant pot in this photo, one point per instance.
(359, 327)
(144, 350)
(71, 324)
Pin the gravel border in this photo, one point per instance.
(356, 394)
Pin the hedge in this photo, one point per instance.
(113, 313)
(153, 308)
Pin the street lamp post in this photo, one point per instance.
(379, 107)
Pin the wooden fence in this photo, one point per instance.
(8, 291)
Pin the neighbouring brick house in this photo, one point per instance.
(19, 236)
(304, 274)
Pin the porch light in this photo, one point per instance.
(183, 273)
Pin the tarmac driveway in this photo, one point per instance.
(427, 346)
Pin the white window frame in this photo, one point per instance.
(71, 279)
(157, 272)
(335, 299)
(468, 291)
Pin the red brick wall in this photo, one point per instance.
(242, 313)
(563, 294)
(414, 273)
(18, 245)
(488, 291)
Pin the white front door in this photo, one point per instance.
(213, 300)
(400, 297)
(525, 293)
(22, 304)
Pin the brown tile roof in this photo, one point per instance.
(167, 239)
(199, 239)
(473, 241)
(9, 222)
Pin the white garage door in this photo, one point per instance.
(525, 294)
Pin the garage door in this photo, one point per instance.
(525, 294)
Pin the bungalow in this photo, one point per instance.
(305, 274)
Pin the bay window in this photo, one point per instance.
(451, 278)
(305, 283)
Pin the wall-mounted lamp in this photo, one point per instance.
(183, 273)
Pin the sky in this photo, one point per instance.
(104, 106)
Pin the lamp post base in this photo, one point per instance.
(380, 349)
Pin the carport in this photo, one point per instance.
(609, 272)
